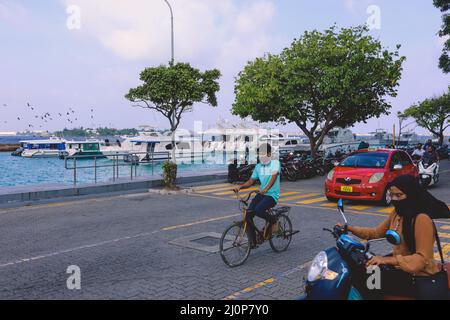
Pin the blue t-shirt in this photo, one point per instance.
(264, 173)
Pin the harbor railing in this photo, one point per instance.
(131, 160)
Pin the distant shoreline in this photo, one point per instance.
(9, 147)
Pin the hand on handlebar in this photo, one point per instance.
(237, 189)
(341, 229)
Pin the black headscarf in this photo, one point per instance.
(418, 201)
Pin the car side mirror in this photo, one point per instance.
(398, 167)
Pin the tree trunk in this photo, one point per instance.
(441, 138)
(314, 147)
(174, 160)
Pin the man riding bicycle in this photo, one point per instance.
(267, 171)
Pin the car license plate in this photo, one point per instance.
(346, 189)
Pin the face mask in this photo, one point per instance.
(265, 160)
(403, 207)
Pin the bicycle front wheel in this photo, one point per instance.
(234, 245)
(281, 238)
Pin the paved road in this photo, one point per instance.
(131, 246)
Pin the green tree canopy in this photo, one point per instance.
(328, 79)
(173, 90)
(444, 6)
(432, 114)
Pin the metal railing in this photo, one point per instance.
(117, 160)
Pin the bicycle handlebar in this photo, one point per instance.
(247, 198)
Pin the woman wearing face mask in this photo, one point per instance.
(414, 256)
(268, 174)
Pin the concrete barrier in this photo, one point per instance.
(45, 192)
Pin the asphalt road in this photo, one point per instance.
(135, 246)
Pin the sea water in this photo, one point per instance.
(18, 171)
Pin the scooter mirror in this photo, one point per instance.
(341, 210)
(393, 237)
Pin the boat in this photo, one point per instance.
(85, 149)
(149, 149)
(50, 148)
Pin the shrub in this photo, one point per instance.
(169, 174)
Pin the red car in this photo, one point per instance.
(365, 174)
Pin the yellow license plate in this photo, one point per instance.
(346, 189)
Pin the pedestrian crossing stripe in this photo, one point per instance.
(445, 251)
(229, 187)
(330, 204)
(213, 186)
(444, 235)
(231, 192)
(445, 227)
(312, 200)
(360, 208)
(308, 195)
(285, 194)
(386, 210)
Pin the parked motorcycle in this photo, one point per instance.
(288, 170)
(240, 173)
(428, 173)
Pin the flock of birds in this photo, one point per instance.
(40, 119)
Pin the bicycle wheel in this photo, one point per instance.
(234, 245)
(281, 239)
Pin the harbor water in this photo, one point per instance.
(18, 171)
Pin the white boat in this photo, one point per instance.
(157, 148)
(49, 148)
(87, 149)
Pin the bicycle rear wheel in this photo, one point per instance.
(281, 239)
(234, 245)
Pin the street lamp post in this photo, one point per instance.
(172, 62)
(172, 32)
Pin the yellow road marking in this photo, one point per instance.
(312, 200)
(245, 191)
(330, 204)
(249, 289)
(386, 210)
(361, 207)
(444, 235)
(213, 186)
(229, 188)
(445, 227)
(300, 197)
(199, 222)
(285, 194)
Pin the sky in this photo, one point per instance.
(75, 56)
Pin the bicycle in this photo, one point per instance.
(235, 240)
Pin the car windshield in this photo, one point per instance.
(366, 160)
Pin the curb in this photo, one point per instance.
(35, 193)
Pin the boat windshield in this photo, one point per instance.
(366, 160)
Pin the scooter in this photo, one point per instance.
(428, 173)
(332, 273)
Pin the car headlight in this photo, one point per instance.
(376, 177)
(330, 175)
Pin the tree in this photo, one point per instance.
(173, 90)
(444, 6)
(432, 114)
(324, 80)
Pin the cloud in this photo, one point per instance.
(12, 12)
(205, 31)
